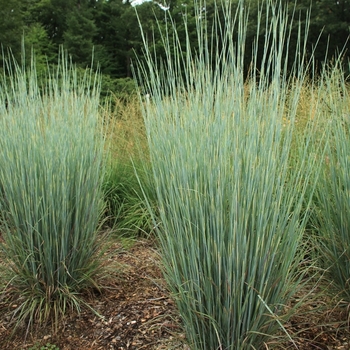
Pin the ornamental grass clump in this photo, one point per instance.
(230, 204)
(51, 158)
(333, 188)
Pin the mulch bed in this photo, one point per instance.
(136, 308)
(138, 314)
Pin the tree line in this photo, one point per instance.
(108, 30)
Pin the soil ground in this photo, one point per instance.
(140, 315)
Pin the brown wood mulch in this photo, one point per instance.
(139, 315)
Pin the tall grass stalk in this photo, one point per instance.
(51, 200)
(333, 190)
(229, 202)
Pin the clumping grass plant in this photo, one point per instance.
(52, 165)
(333, 188)
(230, 205)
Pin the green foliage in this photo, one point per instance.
(126, 206)
(52, 200)
(11, 14)
(230, 205)
(37, 42)
(48, 346)
(112, 49)
(111, 29)
(124, 89)
(78, 36)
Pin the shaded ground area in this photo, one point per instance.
(138, 314)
